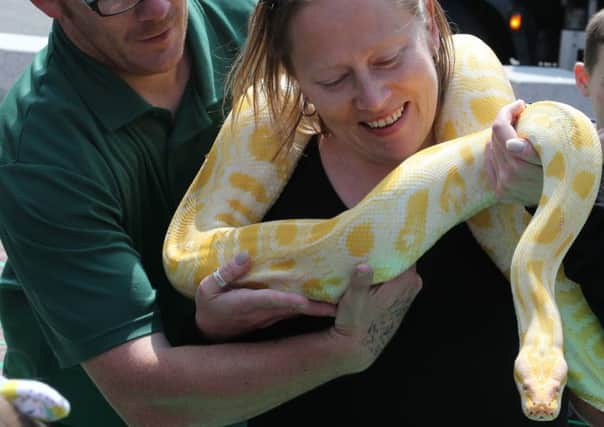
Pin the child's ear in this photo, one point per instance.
(582, 78)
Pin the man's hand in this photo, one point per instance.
(513, 166)
(368, 316)
(224, 312)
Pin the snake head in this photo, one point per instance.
(540, 378)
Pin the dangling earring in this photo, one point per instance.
(308, 109)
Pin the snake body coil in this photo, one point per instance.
(408, 212)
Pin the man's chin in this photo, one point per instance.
(150, 68)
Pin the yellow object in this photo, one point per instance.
(34, 399)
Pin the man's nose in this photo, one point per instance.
(151, 10)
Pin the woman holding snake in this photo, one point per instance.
(371, 74)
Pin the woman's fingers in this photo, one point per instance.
(513, 165)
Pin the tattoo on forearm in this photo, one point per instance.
(382, 329)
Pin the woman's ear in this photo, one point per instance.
(52, 8)
(582, 78)
(432, 26)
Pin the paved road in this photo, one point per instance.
(21, 17)
(23, 31)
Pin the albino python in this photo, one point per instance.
(408, 212)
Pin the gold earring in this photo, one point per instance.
(308, 109)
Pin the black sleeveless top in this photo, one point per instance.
(450, 361)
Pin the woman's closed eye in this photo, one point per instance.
(332, 83)
(389, 60)
(385, 62)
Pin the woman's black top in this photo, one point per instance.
(450, 361)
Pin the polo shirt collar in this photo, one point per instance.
(209, 68)
(109, 98)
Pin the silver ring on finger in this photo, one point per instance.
(218, 278)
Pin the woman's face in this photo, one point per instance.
(367, 67)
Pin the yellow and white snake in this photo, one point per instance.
(407, 213)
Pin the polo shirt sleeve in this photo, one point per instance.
(61, 229)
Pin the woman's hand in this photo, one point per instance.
(368, 316)
(223, 312)
(513, 166)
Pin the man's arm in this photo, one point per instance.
(150, 383)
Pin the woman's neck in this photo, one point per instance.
(352, 175)
(339, 162)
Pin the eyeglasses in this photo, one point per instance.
(111, 7)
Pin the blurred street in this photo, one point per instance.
(21, 17)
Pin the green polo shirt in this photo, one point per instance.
(90, 175)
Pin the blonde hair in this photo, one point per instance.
(264, 64)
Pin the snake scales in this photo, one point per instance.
(407, 213)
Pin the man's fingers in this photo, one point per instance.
(413, 284)
(360, 283)
(273, 301)
(235, 268)
(411, 279)
(228, 273)
(352, 304)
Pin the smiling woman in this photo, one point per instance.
(368, 76)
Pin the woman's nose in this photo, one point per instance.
(152, 10)
(371, 94)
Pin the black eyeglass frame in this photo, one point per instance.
(94, 6)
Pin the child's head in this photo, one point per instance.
(589, 74)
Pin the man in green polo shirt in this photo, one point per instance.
(99, 139)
